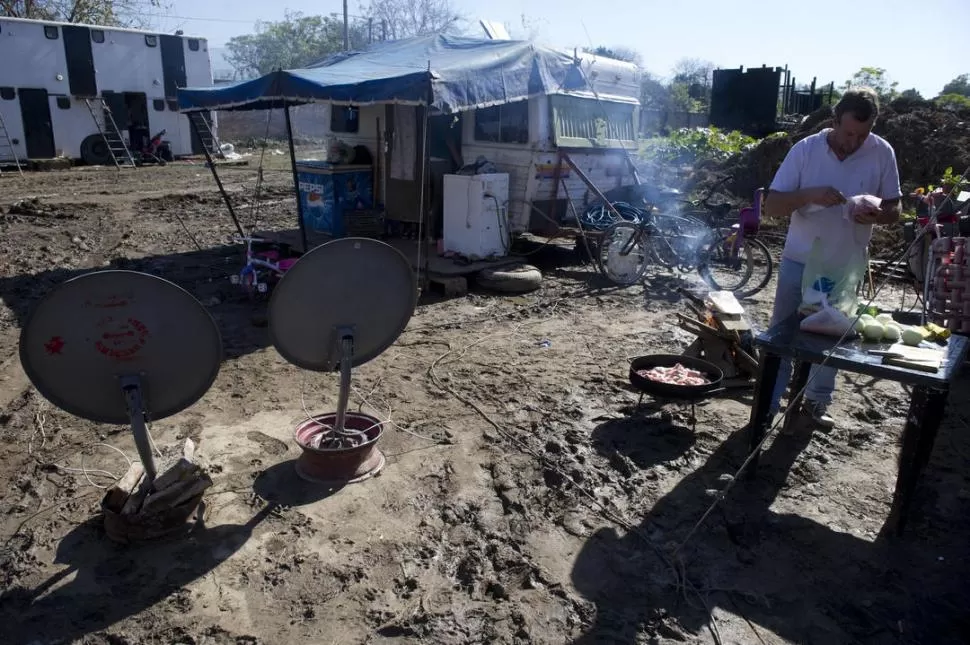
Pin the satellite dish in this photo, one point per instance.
(121, 347)
(341, 305)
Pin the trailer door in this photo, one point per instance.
(35, 109)
(173, 64)
(80, 61)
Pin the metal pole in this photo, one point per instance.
(215, 175)
(346, 28)
(383, 30)
(296, 179)
(424, 187)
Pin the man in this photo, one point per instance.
(823, 170)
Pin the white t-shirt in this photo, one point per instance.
(811, 163)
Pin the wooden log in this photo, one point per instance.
(183, 469)
(119, 493)
(182, 490)
(133, 503)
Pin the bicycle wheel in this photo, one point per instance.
(622, 255)
(678, 241)
(725, 267)
(763, 268)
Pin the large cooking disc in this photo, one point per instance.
(358, 286)
(92, 330)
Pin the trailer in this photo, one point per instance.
(93, 93)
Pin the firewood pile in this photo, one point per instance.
(136, 509)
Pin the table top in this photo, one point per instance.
(786, 340)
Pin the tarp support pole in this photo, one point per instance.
(215, 175)
(296, 179)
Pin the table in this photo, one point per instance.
(930, 392)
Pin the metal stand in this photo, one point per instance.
(346, 362)
(131, 386)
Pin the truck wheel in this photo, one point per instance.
(95, 151)
(514, 278)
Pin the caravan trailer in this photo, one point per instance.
(69, 90)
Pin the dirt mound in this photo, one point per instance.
(927, 139)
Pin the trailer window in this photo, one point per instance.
(344, 118)
(193, 44)
(97, 35)
(151, 41)
(64, 102)
(507, 123)
(7, 93)
(50, 32)
(159, 105)
(588, 123)
(173, 106)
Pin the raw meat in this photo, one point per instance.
(676, 375)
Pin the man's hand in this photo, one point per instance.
(825, 196)
(868, 213)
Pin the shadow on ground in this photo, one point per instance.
(112, 582)
(807, 582)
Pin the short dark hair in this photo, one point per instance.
(862, 103)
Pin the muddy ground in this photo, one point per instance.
(522, 500)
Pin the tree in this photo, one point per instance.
(954, 102)
(295, 41)
(113, 13)
(617, 53)
(654, 95)
(409, 18)
(876, 79)
(912, 94)
(960, 85)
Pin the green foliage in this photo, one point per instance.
(955, 102)
(111, 13)
(293, 42)
(949, 178)
(912, 94)
(693, 145)
(960, 85)
(876, 79)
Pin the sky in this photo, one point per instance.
(827, 39)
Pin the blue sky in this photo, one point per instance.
(829, 39)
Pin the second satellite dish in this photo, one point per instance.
(359, 287)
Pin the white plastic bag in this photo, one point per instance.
(828, 321)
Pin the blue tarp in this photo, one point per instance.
(464, 73)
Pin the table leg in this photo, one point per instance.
(802, 370)
(758, 424)
(922, 423)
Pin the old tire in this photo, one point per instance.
(511, 278)
(95, 151)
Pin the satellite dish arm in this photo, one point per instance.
(346, 363)
(131, 386)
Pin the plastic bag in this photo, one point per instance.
(836, 266)
(828, 321)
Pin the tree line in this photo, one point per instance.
(299, 40)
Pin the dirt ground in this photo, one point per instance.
(522, 502)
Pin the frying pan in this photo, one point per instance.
(676, 392)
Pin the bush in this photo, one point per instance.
(696, 145)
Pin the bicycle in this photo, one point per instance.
(735, 243)
(266, 263)
(688, 242)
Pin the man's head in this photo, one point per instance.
(855, 114)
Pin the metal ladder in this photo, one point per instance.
(117, 148)
(6, 147)
(201, 127)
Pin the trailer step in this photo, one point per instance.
(105, 121)
(8, 155)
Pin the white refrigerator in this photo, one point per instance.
(475, 219)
